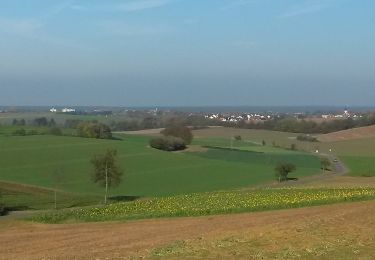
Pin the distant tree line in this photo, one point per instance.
(293, 125)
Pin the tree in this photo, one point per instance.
(283, 169)
(238, 138)
(106, 172)
(325, 163)
(55, 131)
(293, 147)
(182, 132)
(263, 143)
(168, 143)
(41, 121)
(94, 130)
(2, 208)
(58, 176)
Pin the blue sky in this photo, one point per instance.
(187, 52)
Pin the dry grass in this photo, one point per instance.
(351, 134)
(341, 231)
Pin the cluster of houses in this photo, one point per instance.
(238, 118)
(64, 110)
(346, 114)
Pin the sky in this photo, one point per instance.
(187, 52)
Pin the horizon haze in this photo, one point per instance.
(187, 53)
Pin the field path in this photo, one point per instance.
(20, 240)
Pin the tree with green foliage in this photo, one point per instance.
(106, 172)
(55, 131)
(325, 163)
(179, 131)
(2, 208)
(238, 138)
(283, 169)
(264, 143)
(19, 132)
(94, 130)
(168, 143)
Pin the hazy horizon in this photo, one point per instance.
(187, 53)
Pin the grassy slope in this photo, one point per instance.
(358, 154)
(34, 160)
(23, 197)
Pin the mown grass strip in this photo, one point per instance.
(200, 204)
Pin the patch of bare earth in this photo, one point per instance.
(355, 133)
(315, 231)
(142, 132)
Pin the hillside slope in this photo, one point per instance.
(350, 134)
(343, 231)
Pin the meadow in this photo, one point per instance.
(357, 154)
(199, 204)
(37, 160)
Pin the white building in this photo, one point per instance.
(53, 110)
(68, 110)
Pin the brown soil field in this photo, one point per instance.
(355, 133)
(341, 231)
(142, 132)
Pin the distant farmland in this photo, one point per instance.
(35, 159)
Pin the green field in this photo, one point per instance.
(35, 160)
(357, 154)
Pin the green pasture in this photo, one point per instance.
(37, 160)
(357, 154)
(23, 197)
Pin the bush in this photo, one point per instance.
(94, 130)
(283, 169)
(32, 132)
(72, 123)
(2, 210)
(307, 138)
(55, 131)
(19, 132)
(238, 138)
(168, 143)
(182, 132)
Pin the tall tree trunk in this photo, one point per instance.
(55, 198)
(106, 183)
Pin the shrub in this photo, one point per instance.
(32, 132)
(55, 131)
(2, 210)
(19, 132)
(307, 138)
(182, 132)
(238, 138)
(168, 143)
(94, 130)
(283, 169)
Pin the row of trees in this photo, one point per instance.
(306, 126)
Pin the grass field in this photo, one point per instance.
(357, 153)
(35, 160)
(23, 197)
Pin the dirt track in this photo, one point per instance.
(21, 240)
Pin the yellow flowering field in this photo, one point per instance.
(199, 204)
